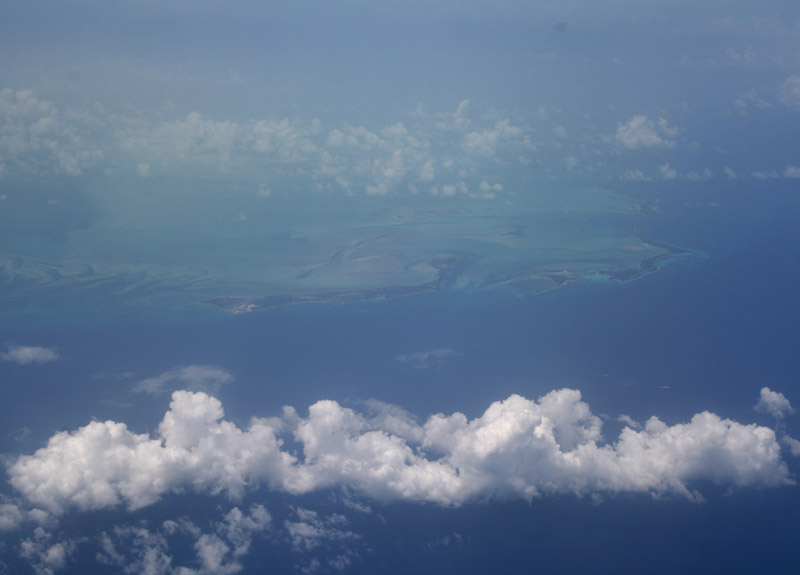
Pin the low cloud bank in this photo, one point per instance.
(517, 448)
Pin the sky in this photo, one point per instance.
(359, 287)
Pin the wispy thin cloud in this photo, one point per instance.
(426, 359)
(206, 378)
(27, 354)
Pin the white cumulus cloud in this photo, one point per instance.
(36, 136)
(641, 132)
(774, 403)
(485, 142)
(667, 173)
(11, 516)
(518, 448)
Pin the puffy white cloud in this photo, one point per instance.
(284, 139)
(36, 136)
(104, 464)
(789, 93)
(666, 172)
(518, 447)
(394, 420)
(381, 160)
(773, 403)
(213, 556)
(792, 444)
(485, 142)
(238, 527)
(641, 132)
(205, 378)
(11, 516)
(629, 421)
(27, 354)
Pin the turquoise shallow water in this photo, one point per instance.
(155, 260)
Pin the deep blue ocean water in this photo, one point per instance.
(705, 332)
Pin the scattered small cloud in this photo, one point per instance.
(667, 173)
(791, 172)
(700, 175)
(571, 162)
(485, 142)
(454, 539)
(730, 174)
(27, 354)
(351, 503)
(328, 539)
(20, 435)
(738, 57)
(641, 132)
(139, 549)
(629, 421)
(792, 444)
(635, 176)
(426, 359)
(11, 517)
(789, 93)
(308, 530)
(206, 378)
(773, 403)
(766, 175)
(751, 99)
(45, 555)
(37, 136)
(460, 118)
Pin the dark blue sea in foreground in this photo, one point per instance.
(705, 332)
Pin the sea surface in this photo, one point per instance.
(705, 331)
